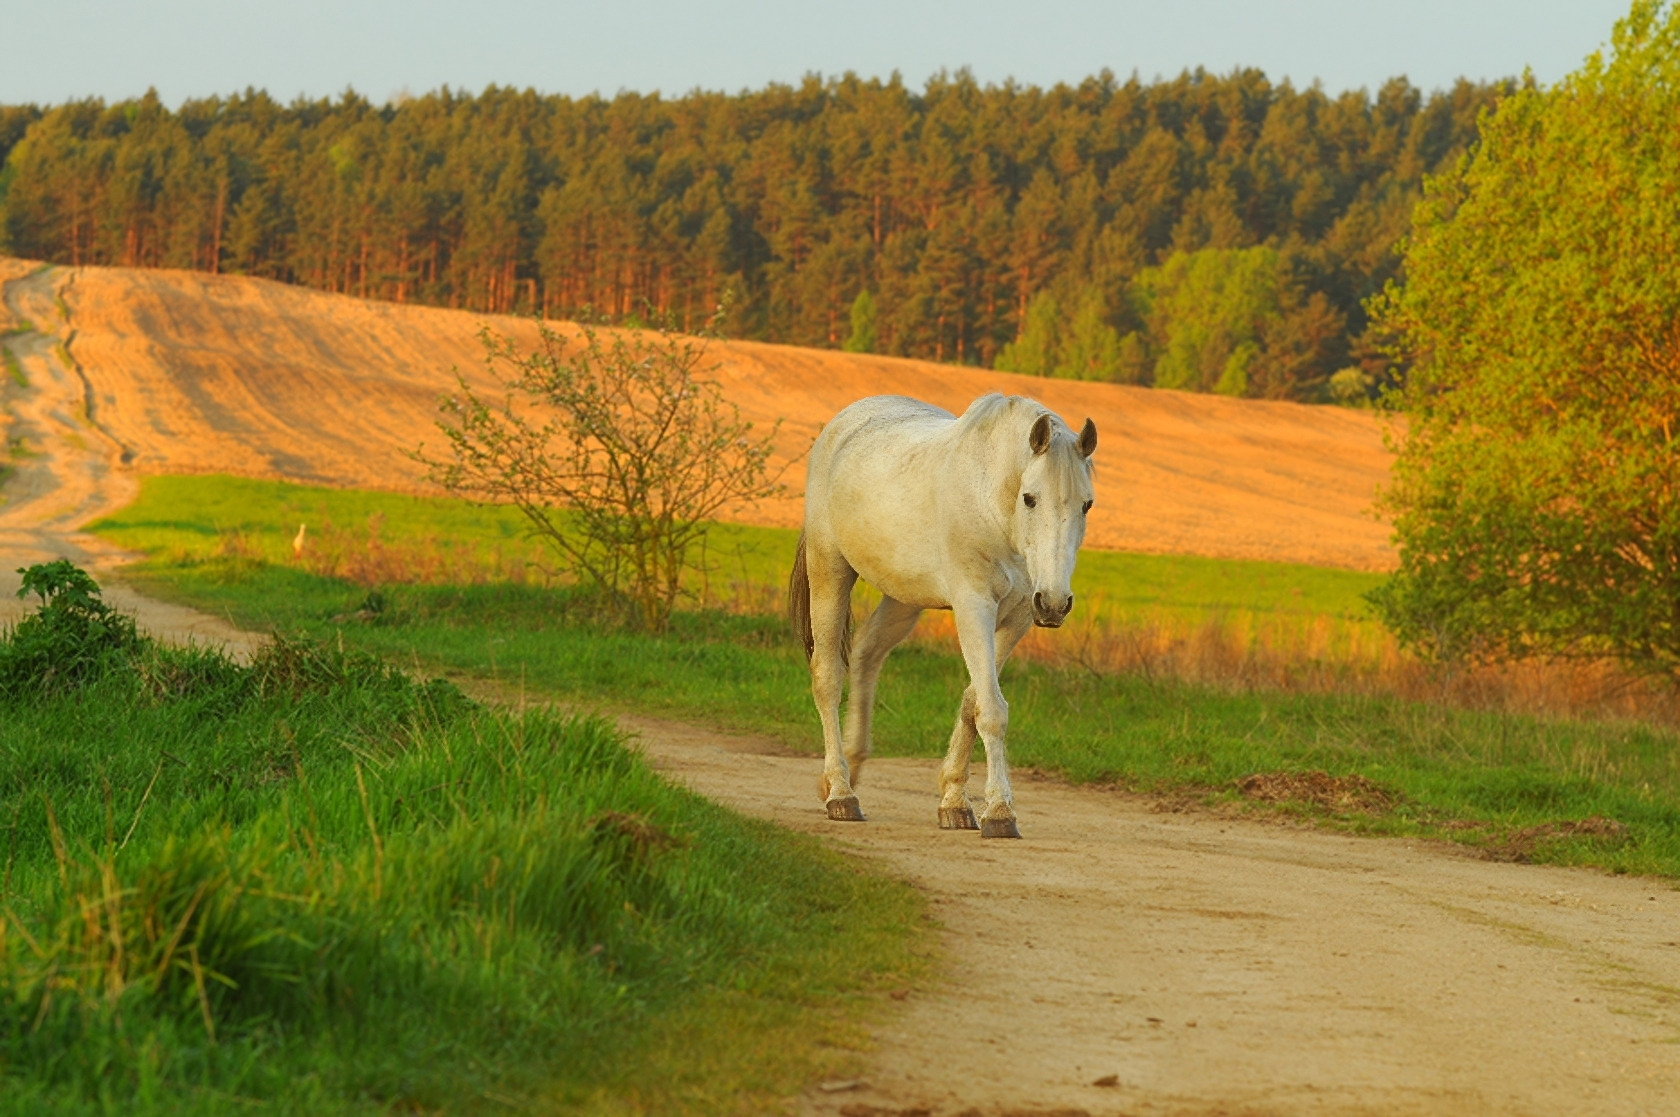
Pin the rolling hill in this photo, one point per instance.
(185, 372)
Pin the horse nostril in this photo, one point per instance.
(1068, 608)
(1038, 601)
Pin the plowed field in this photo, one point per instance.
(194, 373)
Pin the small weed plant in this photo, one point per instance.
(74, 635)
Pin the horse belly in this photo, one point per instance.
(875, 487)
(896, 545)
(905, 569)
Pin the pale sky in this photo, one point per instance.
(65, 49)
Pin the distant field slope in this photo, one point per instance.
(196, 373)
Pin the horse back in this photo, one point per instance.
(883, 491)
(882, 447)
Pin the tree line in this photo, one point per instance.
(1214, 233)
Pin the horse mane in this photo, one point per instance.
(988, 412)
(995, 412)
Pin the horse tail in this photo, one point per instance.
(799, 601)
(799, 609)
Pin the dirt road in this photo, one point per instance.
(1207, 964)
(64, 468)
(1194, 963)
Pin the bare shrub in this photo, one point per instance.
(618, 448)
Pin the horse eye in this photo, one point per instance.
(1087, 506)
(1031, 500)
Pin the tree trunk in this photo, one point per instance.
(216, 228)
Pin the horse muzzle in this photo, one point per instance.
(1047, 613)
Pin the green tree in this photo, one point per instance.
(1034, 353)
(862, 337)
(1537, 492)
(1206, 311)
(1090, 349)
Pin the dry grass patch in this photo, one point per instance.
(1341, 794)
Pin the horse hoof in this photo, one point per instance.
(957, 818)
(999, 828)
(845, 810)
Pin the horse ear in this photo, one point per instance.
(1088, 439)
(1039, 439)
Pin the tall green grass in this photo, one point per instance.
(317, 884)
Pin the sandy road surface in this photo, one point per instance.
(1202, 964)
(1213, 964)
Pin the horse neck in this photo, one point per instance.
(1000, 449)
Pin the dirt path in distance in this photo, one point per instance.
(65, 469)
(1208, 964)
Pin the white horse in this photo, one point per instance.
(982, 515)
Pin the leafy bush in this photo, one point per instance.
(72, 637)
(1537, 492)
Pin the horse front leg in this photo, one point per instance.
(955, 811)
(978, 630)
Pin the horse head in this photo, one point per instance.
(1056, 495)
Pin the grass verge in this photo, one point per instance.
(315, 884)
(1601, 792)
(1214, 622)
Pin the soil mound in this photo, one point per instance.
(1318, 789)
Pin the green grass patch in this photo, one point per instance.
(1500, 780)
(191, 518)
(317, 884)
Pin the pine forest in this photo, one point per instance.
(1207, 233)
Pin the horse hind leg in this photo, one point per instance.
(955, 811)
(830, 587)
(885, 629)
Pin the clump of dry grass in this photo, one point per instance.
(1240, 651)
(1320, 789)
